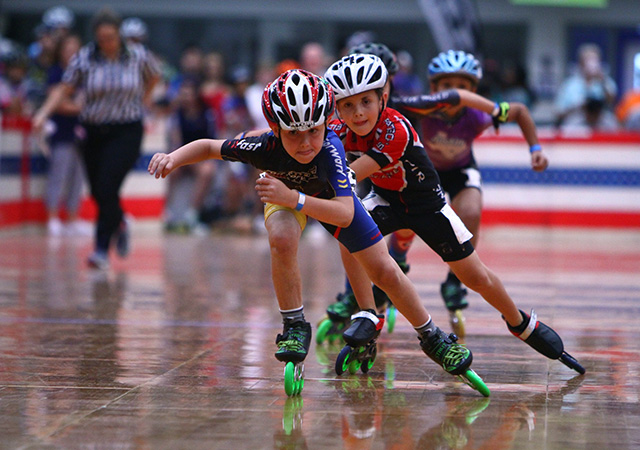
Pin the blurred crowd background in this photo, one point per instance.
(576, 66)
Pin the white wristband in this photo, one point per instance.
(301, 199)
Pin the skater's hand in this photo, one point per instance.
(161, 165)
(272, 190)
(539, 161)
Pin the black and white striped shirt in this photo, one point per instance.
(113, 89)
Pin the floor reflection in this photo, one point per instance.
(173, 348)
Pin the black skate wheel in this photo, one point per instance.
(342, 363)
(571, 363)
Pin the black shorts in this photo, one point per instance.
(442, 230)
(454, 181)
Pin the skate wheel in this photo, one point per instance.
(293, 378)
(342, 363)
(322, 319)
(473, 379)
(392, 313)
(572, 363)
(457, 323)
(354, 366)
(323, 329)
(368, 363)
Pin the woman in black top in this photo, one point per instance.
(117, 79)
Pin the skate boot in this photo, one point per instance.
(454, 358)
(544, 339)
(455, 299)
(361, 349)
(383, 302)
(338, 314)
(293, 346)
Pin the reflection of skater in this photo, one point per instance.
(290, 435)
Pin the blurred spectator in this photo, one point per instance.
(265, 74)
(406, 81)
(65, 178)
(57, 23)
(514, 85)
(188, 186)
(134, 30)
(589, 85)
(14, 84)
(314, 58)
(215, 89)
(357, 39)
(241, 200)
(111, 118)
(191, 66)
(628, 110)
(591, 117)
(284, 65)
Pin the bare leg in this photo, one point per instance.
(476, 276)
(382, 270)
(284, 235)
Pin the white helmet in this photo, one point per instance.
(133, 28)
(357, 73)
(58, 17)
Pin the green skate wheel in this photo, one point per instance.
(368, 363)
(342, 362)
(473, 379)
(293, 378)
(354, 366)
(323, 328)
(290, 379)
(392, 313)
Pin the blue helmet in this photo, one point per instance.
(455, 62)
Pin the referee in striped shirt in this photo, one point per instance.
(117, 79)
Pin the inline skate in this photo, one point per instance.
(544, 340)
(455, 299)
(454, 358)
(331, 327)
(383, 302)
(293, 346)
(361, 349)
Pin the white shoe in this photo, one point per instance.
(54, 227)
(79, 228)
(98, 260)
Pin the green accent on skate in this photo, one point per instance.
(323, 328)
(293, 379)
(454, 296)
(344, 307)
(289, 379)
(452, 359)
(392, 313)
(294, 343)
(354, 366)
(473, 379)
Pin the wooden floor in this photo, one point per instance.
(173, 349)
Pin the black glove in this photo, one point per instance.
(501, 114)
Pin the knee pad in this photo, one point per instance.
(539, 336)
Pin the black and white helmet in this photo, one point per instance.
(356, 73)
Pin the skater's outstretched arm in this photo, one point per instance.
(162, 164)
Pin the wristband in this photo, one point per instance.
(496, 110)
(535, 148)
(301, 198)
